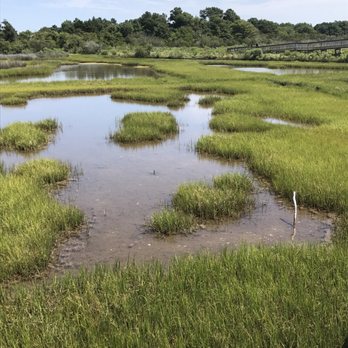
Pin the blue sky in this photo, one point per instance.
(34, 14)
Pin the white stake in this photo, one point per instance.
(295, 217)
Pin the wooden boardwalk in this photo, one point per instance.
(336, 45)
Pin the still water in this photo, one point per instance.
(118, 190)
(87, 71)
(278, 71)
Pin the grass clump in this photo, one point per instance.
(14, 101)
(209, 101)
(341, 229)
(30, 219)
(228, 197)
(27, 136)
(170, 221)
(44, 171)
(146, 126)
(238, 123)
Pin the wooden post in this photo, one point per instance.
(295, 217)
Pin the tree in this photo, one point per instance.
(264, 26)
(244, 31)
(230, 16)
(211, 13)
(8, 32)
(154, 24)
(178, 18)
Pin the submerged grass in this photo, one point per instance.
(30, 219)
(251, 297)
(146, 126)
(27, 136)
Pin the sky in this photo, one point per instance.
(35, 14)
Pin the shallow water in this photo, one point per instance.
(277, 71)
(281, 122)
(88, 71)
(118, 190)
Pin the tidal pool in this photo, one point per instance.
(278, 71)
(118, 190)
(91, 71)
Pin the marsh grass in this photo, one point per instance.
(209, 101)
(291, 163)
(169, 222)
(228, 197)
(8, 64)
(146, 126)
(30, 219)
(340, 235)
(27, 136)
(238, 123)
(277, 296)
(44, 171)
(31, 68)
(14, 101)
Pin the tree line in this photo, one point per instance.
(212, 28)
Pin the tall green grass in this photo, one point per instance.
(229, 196)
(31, 220)
(291, 163)
(44, 171)
(146, 126)
(251, 297)
(27, 136)
(238, 123)
(209, 100)
(170, 221)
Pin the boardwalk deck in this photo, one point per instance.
(336, 45)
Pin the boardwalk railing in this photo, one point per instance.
(298, 46)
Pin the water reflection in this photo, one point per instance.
(95, 71)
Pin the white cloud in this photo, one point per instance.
(312, 11)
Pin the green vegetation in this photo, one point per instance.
(54, 172)
(213, 27)
(27, 136)
(238, 123)
(33, 68)
(251, 297)
(7, 64)
(229, 196)
(341, 229)
(140, 127)
(14, 101)
(30, 219)
(209, 100)
(170, 221)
